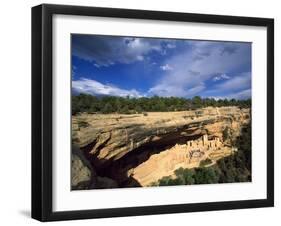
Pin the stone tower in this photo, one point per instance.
(205, 139)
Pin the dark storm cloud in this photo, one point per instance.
(108, 50)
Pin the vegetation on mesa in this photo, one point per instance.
(126, 105)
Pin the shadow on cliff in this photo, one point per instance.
(235, 168)
(119, 170)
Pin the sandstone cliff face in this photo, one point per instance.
(82, 173)
(189, 155)
(136, 150)
(110, 137)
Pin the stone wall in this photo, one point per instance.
(187, 155)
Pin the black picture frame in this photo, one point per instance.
(42, 111)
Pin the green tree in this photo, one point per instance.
(197, 102)
(226, 133)
(139, 109)
(107, 108)
(186, 176)
(125, 110)
(206, 176)
(165, 181)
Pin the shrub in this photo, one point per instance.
(205, 162)
(206, 176)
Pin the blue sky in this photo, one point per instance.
(137, 67)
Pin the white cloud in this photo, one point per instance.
(224, 76)
(244, 94)
(107, 50)
(140, 58)
(173, 90)
(221, 77)
(166, 67)
(196, 89)
(234, 87)
(187, 73)
(194, 66)
(236, 83)
(171, 46)
(93, 87)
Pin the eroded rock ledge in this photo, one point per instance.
(114, 141)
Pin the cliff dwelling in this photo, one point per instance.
(138, 150)
(187, 155)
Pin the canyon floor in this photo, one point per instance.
(120, 150)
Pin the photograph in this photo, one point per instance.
(150, 112)
(143, 112)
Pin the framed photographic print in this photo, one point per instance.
(146, 112)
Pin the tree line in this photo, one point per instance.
(127, 105)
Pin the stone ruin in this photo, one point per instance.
(204, 143)
(187, 155)
(197, 150)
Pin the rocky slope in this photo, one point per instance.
(114, 142)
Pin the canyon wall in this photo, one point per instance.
(116, 143)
